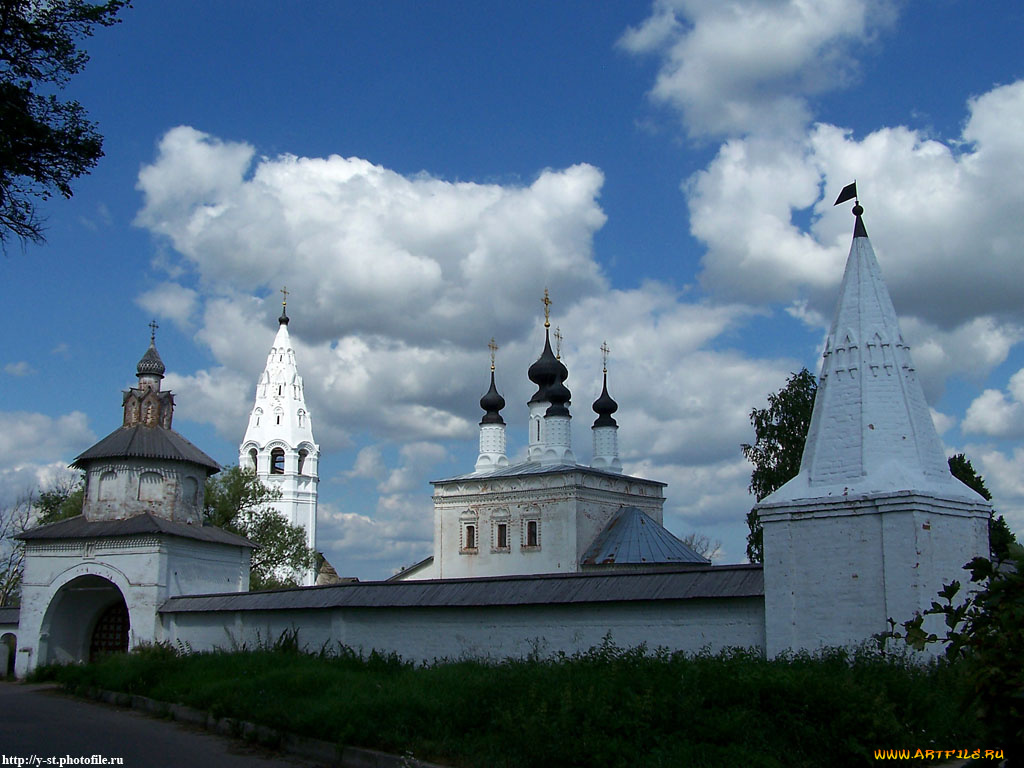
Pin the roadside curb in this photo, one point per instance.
(325, 752)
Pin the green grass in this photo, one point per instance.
(606, 707)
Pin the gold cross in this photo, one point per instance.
(152, 331)
(604, 355)
(494, 348)
(547, 309)
(284, 301)
(558, 343)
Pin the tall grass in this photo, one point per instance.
(604, 707)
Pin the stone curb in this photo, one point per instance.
(325, 752)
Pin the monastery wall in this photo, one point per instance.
(424, 634)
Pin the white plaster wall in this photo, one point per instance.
(146, 569)
(836, 570)
(118, 498)
(496, 632)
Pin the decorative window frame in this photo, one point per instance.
(469, 518)
(498, 518)
(531, 517)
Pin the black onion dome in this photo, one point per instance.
(604, 407)
(283, 319)
(492, 403)
(558, 395)
(150, 364)
(546, 371)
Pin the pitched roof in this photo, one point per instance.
(632, 537)
(717, 581)
(79, 528)
(145, 442)
(871, 430)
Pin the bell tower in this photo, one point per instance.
(278, 442)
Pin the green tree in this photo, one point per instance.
(60, 501)
(14, 519)
(238, 501)
(45, 143)
(780, 431)
(1002, 543)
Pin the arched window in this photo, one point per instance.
(278, 391)
(302, 461)
(108, 486)
(302, 418)
(253, 458)
(151, 486)
(277, 461)
(470, 537)
(190, 491)
(256, 416)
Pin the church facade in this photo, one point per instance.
(543, 556)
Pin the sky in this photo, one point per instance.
(417, 173)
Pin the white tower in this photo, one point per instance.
(279, 443)
(873, 524)
(492, 427)
(605, 429)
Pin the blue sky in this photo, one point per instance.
(418, 173)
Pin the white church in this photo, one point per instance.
(544, 555)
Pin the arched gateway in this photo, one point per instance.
(86, 619)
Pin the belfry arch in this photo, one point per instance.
(86, 619)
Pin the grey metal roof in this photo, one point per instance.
(146, 442)
(9, 615)
(633, 537)
(717, 581)
(79, 528)
(536, 468)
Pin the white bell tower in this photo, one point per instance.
(279, 442)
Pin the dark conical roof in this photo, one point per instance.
(859, 230)
(150, 364)
(546, 371)
(604, 407)
(492, 403)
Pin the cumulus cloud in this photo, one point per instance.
(35, 437)
(172, 301)
(998, 414)
(750, 65)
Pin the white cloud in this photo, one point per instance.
(998, 414)
(172, 301)
(19, 369)
(749, 65)
(27, 438)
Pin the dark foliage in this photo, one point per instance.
(780, 431)
(45, 143)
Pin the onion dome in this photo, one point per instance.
(558, 395)
(150, 364)
(604, 407)
(492, 403)
(546, 371)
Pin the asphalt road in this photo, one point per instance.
(40, 721)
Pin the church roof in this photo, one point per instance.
(869, 385)
(681, 583)
(79, 528)
(536, 468)
(145, 442)
(633, 537)
(150, 363)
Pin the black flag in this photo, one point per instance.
(849, 193)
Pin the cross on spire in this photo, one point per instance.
(604, 355)
(494, 348)
(558, 343)
(284, 300)
(152, 331)
(547, 309)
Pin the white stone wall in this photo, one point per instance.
(117, 489)
(497, 632)
(836, 570)
(145, 569)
